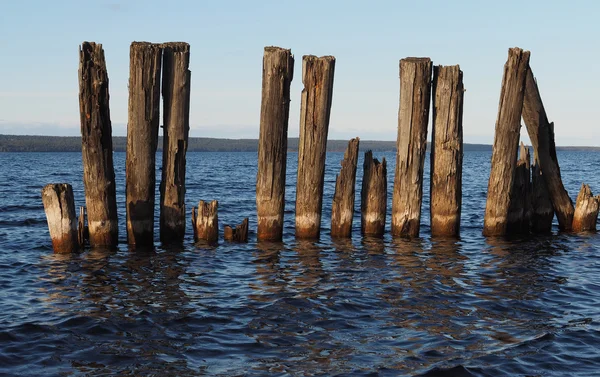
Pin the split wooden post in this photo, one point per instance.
(315, 108)
(519, 213)
(237, 234)
(176, 122)
(82, 230)
(342, 209)
(413, 116)
(96, 146)
(373, 204)
(541, 133)
(506, 143)
(542, 209)
(278, 70)
(142, 141)
(59, 206)
(206, 221)
(446, 151)
(586, 210)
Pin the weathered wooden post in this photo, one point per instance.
(237, 234)
(206, 221)
(519, 212)
(142, 140)
(278, 70)
(59, 206)
(446, 151)
(176, 122)
(96, 146)
(342, 209)
(541, 133)
(373, 204)
(413, 116)
(82, 231)
(542, 209)
(315, 107)
(506, 143)
(586, 210)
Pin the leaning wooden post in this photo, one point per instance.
(176, 106)
(373, 203)
(142, 140)
(519, 213)
(541, 133)
(506, 143)
(542, 209)
(206, 221)
(278, 69)
(59, 206)
(413, 116)
(237, 234)
(446, 151)
(342, 209)
(96, 146)
(586, 210)
(315, 107)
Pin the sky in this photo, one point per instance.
(39, 41)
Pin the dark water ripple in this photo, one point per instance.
(362, 307)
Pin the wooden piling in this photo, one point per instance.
(342, 209)
(176, 122)
(506, 143)
(237, 234)
(315, 107)
(142, 141)
(541, 133)
(82, 230)
(586, 210)
(413, 116)
(205, 221)
(96, 146)
(519, 213)
(542, 209)
(373, 206)
(59, 206)
(278, 69)
(446, 151)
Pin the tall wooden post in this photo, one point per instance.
(373, 204)
(142, 140)
(205, 222)
(342, 209)
(413, 116)
(446, 151)
(506, 143)
(519, 212)
(59, 206)
(176, 106)
(278, 70)
(542, 209)
(315, 107)
(541, 133)
(586, 210)
(96, 146)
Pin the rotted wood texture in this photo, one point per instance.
(237, 234)
(342, 208)
(205, 221)
(586, 210)
(373, 206)
(59, 206)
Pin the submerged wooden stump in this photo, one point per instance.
(96, 146)
(586, 210)
(519, 213)
(315, 108)
(542, 209)
(413, 117)
(373, 206)
(506, 143)
(278, 70)
(342, 209)
(446, 151)
(237, 234)
(59, 206)
(205, 222)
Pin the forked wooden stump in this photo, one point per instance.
(237, 234)
(342, 209)
(206, 221)
(59, 206)
(586, 210)
(373, 196)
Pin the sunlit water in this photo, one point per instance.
(471, 307)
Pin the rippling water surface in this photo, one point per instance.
(426, 307)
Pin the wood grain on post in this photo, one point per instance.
(586, 210)
(176, 82)
(342, 209)
(315, 107)
(446, 151)
(541, 133)
(373, 204)
(96, 146)
(205, 222)
(278, 69)
(59, 206)
(413, 116)
(82, 231)
(519, 213)
(142, 140)
(237, 234)
(506, 143)
(542, 209)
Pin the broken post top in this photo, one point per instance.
(87, 50)
(278, 49)
(415, 60)
(175, 46)
(314, 57)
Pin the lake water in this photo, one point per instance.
(365, 307)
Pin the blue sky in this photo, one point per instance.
(40, 40)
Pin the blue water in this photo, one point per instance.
(365, 307)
